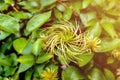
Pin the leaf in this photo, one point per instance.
(3, 5)
(94, 31)
(58, 14)
(60, 7)
(108, 45)
(28, 47)
(37, 21)
(4, 62)
(9, 24)
(26, 59)
(84, 59)
(19, 44)
(109, 28)
(45, 3)
(72, 73)
(87, 17)
(108, 74)
(96, 74)
(67, 14)
(24, 67)
(37, 47)
(86, 3)
(28, 75)
(20, 14)
(44, 58)
(3, 35)
(9, 1)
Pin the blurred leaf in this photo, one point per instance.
(20, 14)
(30, 5)
(9, 1)
(4, 62)
(45, 3)
(108, 45)
(100, 2)
(28, 75)
(94, 31)
(37, 21)
(9, 24)
(58, 14)
(19, 44)
(26, 59)
(86, 17)
(9, 70)
(72, 73)
(108, 74)
(28, 47)
(110, 60)
(44, 58)
(109, 28)
(84, 59)
(24, 67)
(86, 3)
(96, 74)
(3, 35)
(3, 5)
(67, 14)
(60, 7)
(37, 47)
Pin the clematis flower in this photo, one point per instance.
(64, 40)
(49, 74)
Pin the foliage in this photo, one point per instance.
(59, 40)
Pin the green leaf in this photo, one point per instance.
(67, 14)
(60, 7)
(108, 45)
(44, 58)
(28, 47)
(58, 14)
(37, 47)
(109, 28)
(37, 21)
(84, 59)
(19, 44)
(9, 1)
(28, 75)
(20, 14)
(26, 59)
(108, 74)
(72, 73)
(9, 24)
(24, 67)
(87, 17)
(45, 3)
(100, 2)
(3, 5)
(3, 35)
(94, 31)
(86, 3)
(96, 74)
(4, 62)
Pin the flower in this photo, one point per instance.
(93, 43)
(64, 40)
(116, 53)
(49, 74)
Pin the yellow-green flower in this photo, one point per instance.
(64, 40)
(116, 53)
(49, 74)
(93, 43)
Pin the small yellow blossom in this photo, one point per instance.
(116, 54)
(93, 43)
(49, 74)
